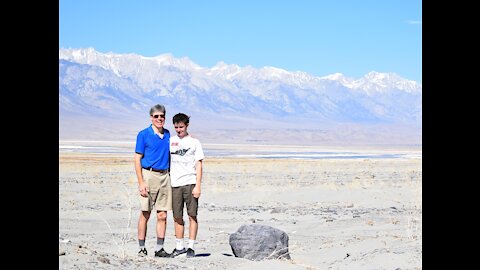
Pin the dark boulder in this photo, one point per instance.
(258, 242)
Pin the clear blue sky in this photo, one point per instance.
(319, 37)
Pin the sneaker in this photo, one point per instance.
(190, 253)
(162, 253)
(142, 252)
(176, 252)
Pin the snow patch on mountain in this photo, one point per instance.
(116, 86)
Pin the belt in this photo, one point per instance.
(155, 170)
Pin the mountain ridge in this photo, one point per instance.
(112, 87)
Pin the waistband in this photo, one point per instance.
(155, 170)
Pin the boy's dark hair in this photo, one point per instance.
(181, 118)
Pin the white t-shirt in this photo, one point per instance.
(184, 154)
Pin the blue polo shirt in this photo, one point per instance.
(155, 150)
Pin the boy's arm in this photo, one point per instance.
(197, 190)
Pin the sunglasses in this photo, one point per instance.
(158, 115)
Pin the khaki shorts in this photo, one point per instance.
(183, 195)
(160, 192)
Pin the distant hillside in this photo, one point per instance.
(107, 96)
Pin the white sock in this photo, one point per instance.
(190, 243)
(179, 242)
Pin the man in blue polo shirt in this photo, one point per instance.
(152, 164)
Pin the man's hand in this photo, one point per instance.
(143, 188)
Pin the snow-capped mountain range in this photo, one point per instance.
(122, 87)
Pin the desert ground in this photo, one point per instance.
(339, 213)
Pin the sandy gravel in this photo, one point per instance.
(339, 213)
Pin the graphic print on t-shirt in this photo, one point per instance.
(181, 152)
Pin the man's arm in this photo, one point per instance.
(142, 186)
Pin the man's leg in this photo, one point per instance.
(161, 223)
(142, 224)
(161, 228)
(142, 231)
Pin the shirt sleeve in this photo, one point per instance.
(198, 151)
(140, 144)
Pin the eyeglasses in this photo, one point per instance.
(158, 115)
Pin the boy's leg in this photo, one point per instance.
(177, 208)
(192, 228)
(192, 209)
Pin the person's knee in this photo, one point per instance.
(193, 218)
(162, 216)
(178, 220)
(146, 215)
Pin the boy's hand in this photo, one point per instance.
(196, 192)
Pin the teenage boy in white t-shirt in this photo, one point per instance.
(186, 156)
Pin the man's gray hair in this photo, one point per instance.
(157, 108)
